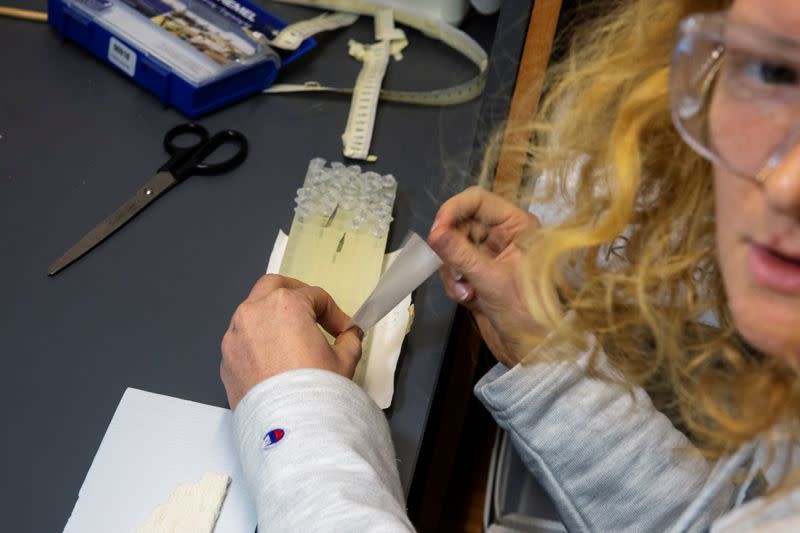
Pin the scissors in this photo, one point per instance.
(185, 160)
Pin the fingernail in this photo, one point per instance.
(461, 291)
(434, 225)
(457, 276)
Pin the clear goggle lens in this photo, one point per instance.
(735, 93)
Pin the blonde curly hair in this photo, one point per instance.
(645, 199)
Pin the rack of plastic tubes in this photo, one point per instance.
(338, 235)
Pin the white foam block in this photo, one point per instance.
(192, 508)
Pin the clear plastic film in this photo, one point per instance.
(415, 263)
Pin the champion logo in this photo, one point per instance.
(273, 437)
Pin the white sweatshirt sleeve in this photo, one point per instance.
(609, 460)
(334, 469)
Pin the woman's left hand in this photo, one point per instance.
(276, 329)
(476, 234)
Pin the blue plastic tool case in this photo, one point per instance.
(195, 55)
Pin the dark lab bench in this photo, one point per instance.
(149, 306)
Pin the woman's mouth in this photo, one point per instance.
(773, 269)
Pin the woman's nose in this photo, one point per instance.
(782, 184)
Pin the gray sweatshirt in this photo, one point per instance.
(609, 460)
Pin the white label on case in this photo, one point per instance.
(122, 56)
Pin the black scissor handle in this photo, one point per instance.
(197, 162)
(190, 129)
(190, 160)
(179, 154)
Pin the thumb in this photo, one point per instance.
(459, 252)
(347, 348)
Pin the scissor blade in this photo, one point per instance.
(143, 197)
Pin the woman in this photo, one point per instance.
(679, 154)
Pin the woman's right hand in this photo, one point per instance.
(474, 233)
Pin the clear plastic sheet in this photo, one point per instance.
(415, 263)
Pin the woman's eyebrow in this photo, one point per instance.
(784, 21)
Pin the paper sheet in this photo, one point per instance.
(153, 444)
(386, 339)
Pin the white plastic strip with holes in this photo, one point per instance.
(357, 136)
(290, 37)
(436, 29)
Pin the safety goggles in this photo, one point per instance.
(735, 93)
